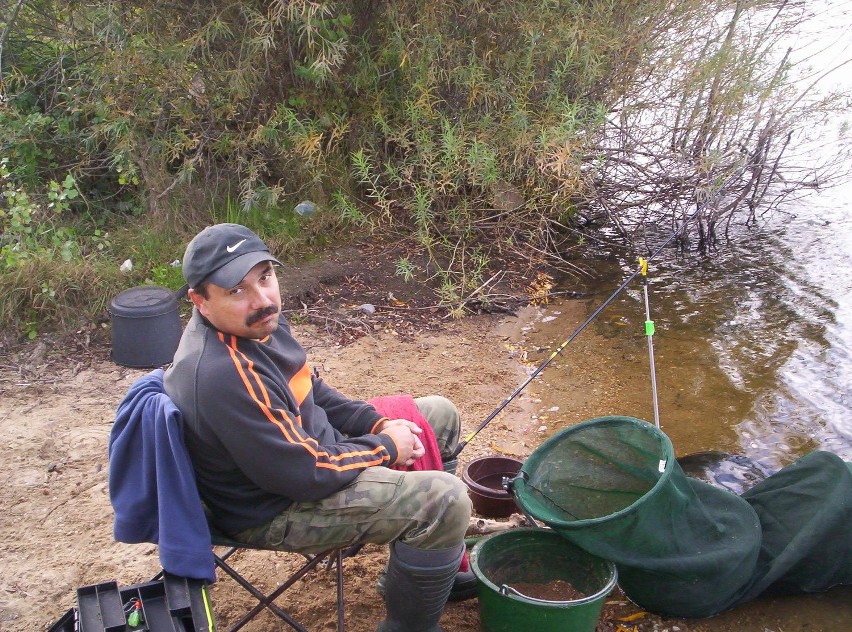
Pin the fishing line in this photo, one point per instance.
(637, 272)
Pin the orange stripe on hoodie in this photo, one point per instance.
(300, 384)
(287, 428)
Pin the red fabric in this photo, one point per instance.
(403, 407)
(465, 564)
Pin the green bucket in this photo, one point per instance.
(518, 572)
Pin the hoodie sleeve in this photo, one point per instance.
(350, 416)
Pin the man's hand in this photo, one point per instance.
(405, 435)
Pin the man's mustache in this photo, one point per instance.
(261, 314)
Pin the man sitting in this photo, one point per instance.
(283, 460)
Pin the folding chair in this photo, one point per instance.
(148, 423)
(330, 558)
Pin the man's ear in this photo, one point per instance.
(196, 299)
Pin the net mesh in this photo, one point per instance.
(596, 472)
(683, 547)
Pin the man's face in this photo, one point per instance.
(249, 309)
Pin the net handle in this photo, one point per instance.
(509, 486)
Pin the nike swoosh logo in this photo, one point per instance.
(235, 246)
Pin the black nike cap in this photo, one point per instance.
(223, 254)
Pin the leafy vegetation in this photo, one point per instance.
(473, 129)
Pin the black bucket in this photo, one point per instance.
(146, 327)
(484, 479)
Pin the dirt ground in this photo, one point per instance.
(57, 402)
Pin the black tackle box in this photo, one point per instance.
(170, 604)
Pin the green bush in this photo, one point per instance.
(31, 228)
(473, 128)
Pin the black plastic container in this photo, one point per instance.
(66, 623)
(146, 327)
(170, 604)
(100, 608)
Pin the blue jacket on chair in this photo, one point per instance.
(152, 484)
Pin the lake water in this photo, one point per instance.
(753, 353)
(760, 335)
(753, 342)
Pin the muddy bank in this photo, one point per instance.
(56, 522)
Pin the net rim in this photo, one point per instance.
(667, 452)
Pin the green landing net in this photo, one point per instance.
(683, 547)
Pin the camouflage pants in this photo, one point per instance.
(423, 509)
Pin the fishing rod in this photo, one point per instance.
(640, 270)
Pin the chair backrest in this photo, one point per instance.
(152, 484)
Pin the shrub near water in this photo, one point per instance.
(391, 114)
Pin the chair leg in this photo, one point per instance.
(264, 601)
(340, 607)
(267, 601)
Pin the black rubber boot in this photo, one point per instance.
(465, 585)
(416, 588)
